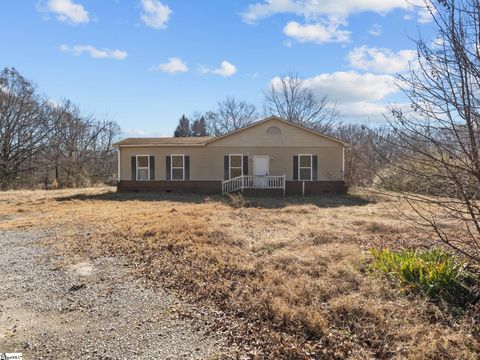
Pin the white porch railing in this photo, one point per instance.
(253, 182)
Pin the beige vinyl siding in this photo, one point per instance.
(281, 145)
(207, 162)
(289, 136)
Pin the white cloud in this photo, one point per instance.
(375, 30)
(134, 132)
(226, 69)
(380, 60)
(54, 103)
(356, 95)
(155, 14)
(318, 33)
(351, 86)
(313, 9)
(94, 53)
(143, 133)
(362, 109)
(259, 11)
(323, 18)
(437, 43)
(67, 11)
(425, 15)
(174, 65)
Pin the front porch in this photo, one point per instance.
(260, 182)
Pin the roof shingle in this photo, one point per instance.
(194, 140)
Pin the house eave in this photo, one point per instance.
(117, 146)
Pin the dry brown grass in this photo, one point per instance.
(290, 272)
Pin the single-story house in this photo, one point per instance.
(270, 156)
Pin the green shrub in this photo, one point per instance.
(433, 272)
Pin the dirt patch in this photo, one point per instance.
(93, 309)
(84, 268)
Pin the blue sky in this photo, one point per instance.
(144, 63)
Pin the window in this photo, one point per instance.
(236, 166)
(305, 167)
(178, 167)
(143, 167)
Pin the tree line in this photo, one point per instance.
(48, 144)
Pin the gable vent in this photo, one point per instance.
(274, 130)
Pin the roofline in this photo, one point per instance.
(118, 145)
(206, 142)
(345, 144)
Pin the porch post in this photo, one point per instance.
(119, 172)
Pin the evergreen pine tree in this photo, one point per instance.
(183, 128)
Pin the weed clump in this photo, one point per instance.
(436, 273)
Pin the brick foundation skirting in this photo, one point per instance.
(311, 188)
(189, 186)
(263, 192)
(315, 188)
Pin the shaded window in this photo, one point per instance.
(178, 167)
(236, 166)
(143, 167)
(305, 167)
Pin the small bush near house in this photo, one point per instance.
(237, 201)
(434, 272)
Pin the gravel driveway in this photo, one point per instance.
(52, 309)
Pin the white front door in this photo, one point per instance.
(260, 165)
(260, 171)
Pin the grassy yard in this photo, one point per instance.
(290, 276)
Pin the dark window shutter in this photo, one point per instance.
(187, 167)
(226, 164)
(314, 167)
(168, 167)
(152, 168)
(245, 164)
(134, 168)
(295, 167)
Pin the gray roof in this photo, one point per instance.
(192, 140)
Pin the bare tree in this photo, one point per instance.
(80, 148)
(289, 98)
(102, 167)
(438, 141)
(230, 115)
(37, 137)
(362, 161)
(24, 126)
